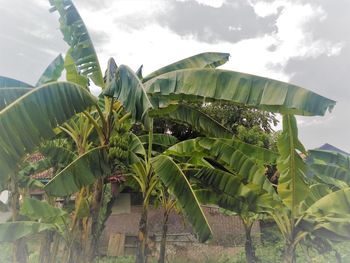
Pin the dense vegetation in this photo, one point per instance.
(155, 134)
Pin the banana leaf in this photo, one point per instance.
(292, 186)
(331, 174)
(12, 89)
(12, 231)
(239, 88)
(203, 60)
(41, 211)
(31, 119)
(329, 157)
(161, 139)
(81, 172)
(72, 73)
(128, 89)
(52, 72)
(77, 37)
(174, 179)
(194, 117)
(317, 191)
(209, 146)
(329, 217)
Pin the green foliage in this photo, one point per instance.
(11, 89)
(77, 37)
(253, 91)
(92, 164)
(52, 72)
(32, 118)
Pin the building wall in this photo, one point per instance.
(227, 230)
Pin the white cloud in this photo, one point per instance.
(212, 3)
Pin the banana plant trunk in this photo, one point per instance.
(289, 253)
(141, 256)
(163, 240)
(44, 252)
(20, 253)
(249, 246)
(91, 248)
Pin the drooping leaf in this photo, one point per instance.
(212, 146)
(174, 179)
(31, 119)
(329, 217)
(135, 148)
(52, 72)
(230, 154)
(165, 140)
(81, 172)
(12, 231)
(77, 37)
(128, 89)
(57, 155)
(203, 60)
(317, 191)
(331, 174)
(6, 82)
(292, 186)
(194, 117)
(249, 90)
(11, 89)
(72, 73)
(41, 210)
(329, 157)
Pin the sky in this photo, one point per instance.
(305, 42)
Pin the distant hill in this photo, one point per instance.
(329, 147)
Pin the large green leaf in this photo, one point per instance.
(52, 72)
(331, 174)
(77, 37)
(128, 89)
(41, 210)
(174, 179)
(292, 186)
(330, 216)
(57, 155)
(194, 117)
(72, 73)
(161, 139)
(213, 146)
(31, 119)
(231, 193)
(329, 157)
(11, 89)
(12, 231)
(317, 191)
(235, 87)
(203, 60)
(236, 156)
(81, 172)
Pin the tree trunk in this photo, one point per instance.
(55, 247)
(20, 253)
(289, 254)
(44, 252)
(141, 256)
(249, 246)
(163, 240)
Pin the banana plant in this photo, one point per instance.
(150, 171)
(230, 174)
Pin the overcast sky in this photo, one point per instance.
(304, 42)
